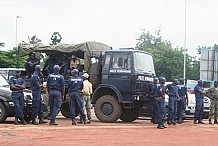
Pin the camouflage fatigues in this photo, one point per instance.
(212, 93)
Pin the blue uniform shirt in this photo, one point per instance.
(75, 84)
(172, 89)
(15, 80)
(55, 81)
(182, 90)
(34, 81)
(158, 89)
(197, 93)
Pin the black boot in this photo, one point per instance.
(52, 122)
(80, 121)
(164, 126)
(34, 122)
(84, 121)
(16, 121)
(23, 121)
(73, 121)
(195, 122)
(200, 122)
(173, 122)
(41, 121)
(180, 121)
(210, 122)
(215, 121)
(159, 126)
(169, 122)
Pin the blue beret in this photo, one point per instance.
(37, 68)
(75, 71)
(162, 78)
(56, 67)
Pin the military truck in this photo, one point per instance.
(120, 78)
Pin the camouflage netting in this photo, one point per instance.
(84, 50)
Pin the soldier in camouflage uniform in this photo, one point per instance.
(212, 93)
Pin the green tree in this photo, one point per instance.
(56, 38)
(2, 44)
(168, 61)
(8, 59)
(34, 40)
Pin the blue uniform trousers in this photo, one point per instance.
(181, 107)
(18, 100)
(37, 107)
(75, 98)
(155, 110)
(172, 107)
(199, 108)
(55, 103)
(161, 109)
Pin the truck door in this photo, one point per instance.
(120, 73)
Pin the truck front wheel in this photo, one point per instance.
(108, 109)
(129, 115)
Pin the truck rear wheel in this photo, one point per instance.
(129, 115)
(107, 109)
(3, 112)
(65, 109)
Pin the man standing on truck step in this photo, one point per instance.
(75, 86)
(87, 91)
(56, 88)
(182, 102)
(212, 93)
(199, 107)
(172, 91)
(17, 84)
(36, 87)
(30, 64)
(159, 96)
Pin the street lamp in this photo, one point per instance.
(17, 54)
(184, 69)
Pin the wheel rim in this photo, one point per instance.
(107, 109)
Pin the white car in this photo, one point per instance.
(190, 108)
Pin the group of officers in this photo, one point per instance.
(79, 91)
(178, 99)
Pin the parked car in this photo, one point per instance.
(190, 108)
(7, 108)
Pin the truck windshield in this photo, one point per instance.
(3, 82)
(144, 62)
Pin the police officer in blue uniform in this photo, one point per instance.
(75, 86)
(199, 107)
(172, 91)
(182, 101)
(56, 88)
(154, 103)
(17, 84)
(30, 64)
(36, 87)
(159, 96)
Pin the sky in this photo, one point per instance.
(117, 23)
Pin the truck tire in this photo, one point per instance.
(65, 109)
(107, 109)
(94, 74)
(3, 113)
(129, 115)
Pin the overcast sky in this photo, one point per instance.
(117, 23)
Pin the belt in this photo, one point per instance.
(18, 91)
(86, 94)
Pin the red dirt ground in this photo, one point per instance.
(140, 132)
